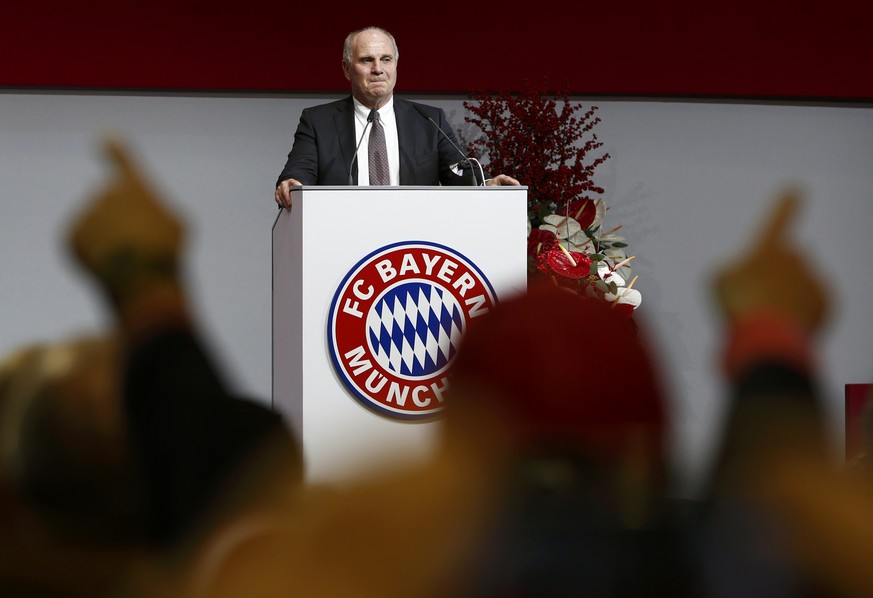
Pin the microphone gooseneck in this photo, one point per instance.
(467, 159)
(370, 118)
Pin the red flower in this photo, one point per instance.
(559, 262)
(582, 211)
(540, 241)
(542, 262)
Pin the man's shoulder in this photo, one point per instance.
(400, 103)
(411, 112)
(329, 107)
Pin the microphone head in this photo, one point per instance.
(372, 115)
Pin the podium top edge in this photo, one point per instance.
(401, 187)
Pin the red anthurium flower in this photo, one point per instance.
(560, 263)
(542, 262)
(541, 241)
(582, 211)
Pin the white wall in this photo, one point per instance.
(688, 180)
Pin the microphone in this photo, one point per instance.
(467, 159)
(370, 118)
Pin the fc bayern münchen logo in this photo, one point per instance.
(396, 321)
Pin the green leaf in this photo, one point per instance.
(619, 244)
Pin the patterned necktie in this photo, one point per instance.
(377, 153)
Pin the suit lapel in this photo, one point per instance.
(345, 130)
(405, 140)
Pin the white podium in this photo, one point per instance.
(372, 289)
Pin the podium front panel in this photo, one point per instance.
(340, 249)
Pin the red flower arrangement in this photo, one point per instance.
(549, 144)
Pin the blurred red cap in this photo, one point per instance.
(562, 370)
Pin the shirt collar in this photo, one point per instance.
(362, 112)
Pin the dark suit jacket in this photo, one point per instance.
(324, 146)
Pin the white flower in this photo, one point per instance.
(562, 226)
(622, 293)
(604, 271)
(581, 242)
(618, 258)
(626, 296)
(569, 233)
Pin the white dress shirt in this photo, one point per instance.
(389, 124)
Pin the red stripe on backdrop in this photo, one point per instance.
(678, 47)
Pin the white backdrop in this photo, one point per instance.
(688, 180)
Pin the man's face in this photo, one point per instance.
(373, 69)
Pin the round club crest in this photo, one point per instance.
(395, 323)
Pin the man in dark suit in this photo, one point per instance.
(416, 152)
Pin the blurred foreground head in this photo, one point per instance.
(557, 372)
(63, 439)
(68, 523)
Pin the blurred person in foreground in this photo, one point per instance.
(189, 435)
(550, 479)
(68, 508)
(182, 453)
(780, 519)
(581, 502)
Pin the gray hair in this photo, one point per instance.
(350, 39)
